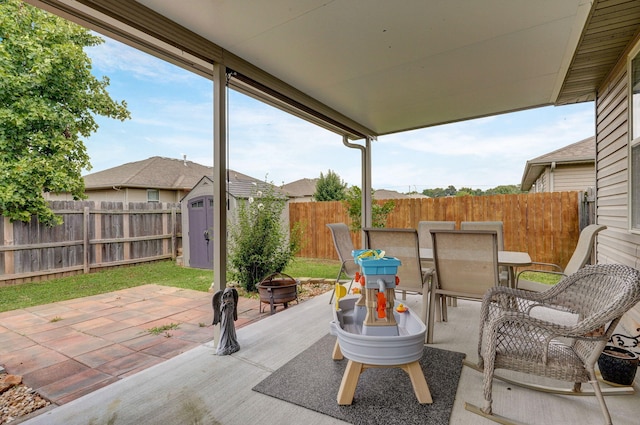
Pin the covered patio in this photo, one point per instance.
(362, 70)
(200, 387)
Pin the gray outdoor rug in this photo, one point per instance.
(383, 396)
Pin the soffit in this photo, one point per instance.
(393, 67)
(381, 67)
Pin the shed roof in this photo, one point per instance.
(582, 152)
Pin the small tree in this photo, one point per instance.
(330, 188)
(259, 243)
(379, 212)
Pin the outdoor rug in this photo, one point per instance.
(383, 396)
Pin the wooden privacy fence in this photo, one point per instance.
(546, 225)
(89, 238)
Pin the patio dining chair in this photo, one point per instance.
(466, 263)
(529, 332)
(344, 248)
(581, 255)
(403, 244)
(498, 226)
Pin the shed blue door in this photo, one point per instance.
(200, 232)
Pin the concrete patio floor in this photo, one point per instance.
(198, 386)
(67, 349)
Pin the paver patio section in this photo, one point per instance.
(67, 349)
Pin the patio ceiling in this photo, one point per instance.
(380, 67)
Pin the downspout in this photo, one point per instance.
(551, 176)
(365, 151)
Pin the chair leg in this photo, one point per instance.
(432, 308)
(333, 293)
(598, 391)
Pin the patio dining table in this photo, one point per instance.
(510, 259)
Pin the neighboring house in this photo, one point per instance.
(300, 190)
(389, 194)
(569, 168)
(154, 179)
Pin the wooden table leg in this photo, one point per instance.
(337, 353)
(349, 383)
(420, 387)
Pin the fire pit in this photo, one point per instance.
(277, 288)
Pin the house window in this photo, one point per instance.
(634, 129)
(153, 195)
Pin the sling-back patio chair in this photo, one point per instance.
(466, 263)
(581, 255)
(403, 245)
(344, 248)
(498, 226)
(516, 335)
(424, 238)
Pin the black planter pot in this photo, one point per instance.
(618, 365)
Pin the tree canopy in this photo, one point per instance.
(48, 103)
(466, 191)
(330, 187)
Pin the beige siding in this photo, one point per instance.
(573, 178)
(616, 244)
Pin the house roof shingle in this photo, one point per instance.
(582, 152)
(301, 188)
(169, 174)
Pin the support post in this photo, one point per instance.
(219, 181)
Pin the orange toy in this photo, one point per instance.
(382, 304)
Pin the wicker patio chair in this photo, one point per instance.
(514, 336)
(344, 248)
(403, 245)
(581, 255)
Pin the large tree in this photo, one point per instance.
(48, 103)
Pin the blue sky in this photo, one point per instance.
(171, 115)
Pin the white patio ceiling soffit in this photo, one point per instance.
(393, 66)
(374, 67)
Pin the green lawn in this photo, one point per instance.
(165, 273)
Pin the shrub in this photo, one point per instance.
(259, 243)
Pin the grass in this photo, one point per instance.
(165, 273)
(546, 278)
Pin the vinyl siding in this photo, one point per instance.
(573, 177)
(616, 244)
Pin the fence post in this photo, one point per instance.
(85, 236)
(9, 265)
(174, 236)
(126, 247)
